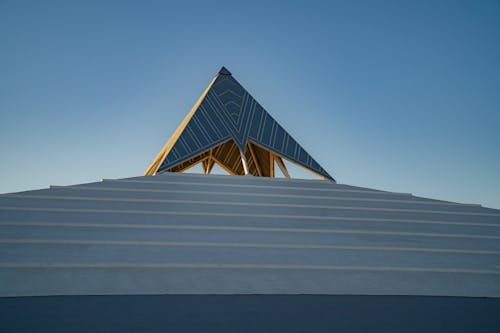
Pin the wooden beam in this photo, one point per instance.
(282, 166)
(210, 165)
(223, 166)
(189, 166)
(271, 164)
(244, 162)
(204, 166)
(255, 160)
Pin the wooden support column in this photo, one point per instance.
(210, 165)
(255, 160)
(204, 165)
(282, 166)
(245, 162)
(271, 164)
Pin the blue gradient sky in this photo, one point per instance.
(395, 95)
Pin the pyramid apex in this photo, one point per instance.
(224, 71)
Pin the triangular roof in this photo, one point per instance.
(229, 127)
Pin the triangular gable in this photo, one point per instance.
(227, 113)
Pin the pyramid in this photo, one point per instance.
(229, 127)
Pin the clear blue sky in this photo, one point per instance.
(395, 95)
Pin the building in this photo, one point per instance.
(245, 252)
